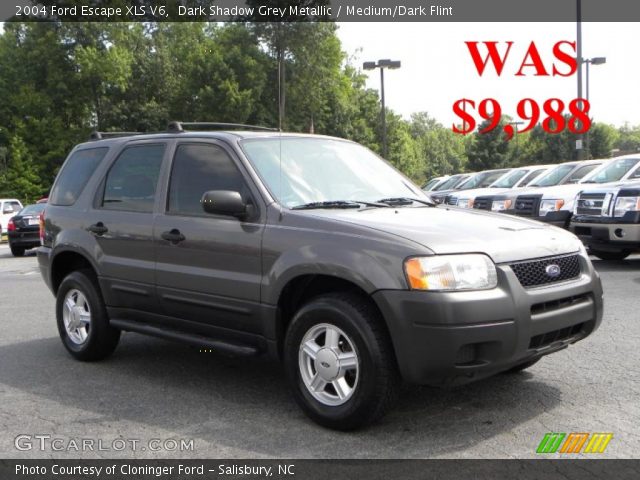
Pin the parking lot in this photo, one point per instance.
(241, 408)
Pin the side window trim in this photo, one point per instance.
(246, 178)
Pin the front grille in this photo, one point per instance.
(482, 203)
(451, 200)
(548, 338)
(527, 205)
(590, 204)
(536, 272)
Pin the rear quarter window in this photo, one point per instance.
(75, 174)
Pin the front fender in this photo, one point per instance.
(369, 271)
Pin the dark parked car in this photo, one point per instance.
(310, 249)
(24, 229)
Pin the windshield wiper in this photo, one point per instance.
(338, 204)
(398, 201)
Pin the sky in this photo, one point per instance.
(437, 68)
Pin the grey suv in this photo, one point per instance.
(310, 249)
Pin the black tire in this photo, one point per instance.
(522, 366)
(101, 339)
(17, 251)
(378, 379)
(602, 255)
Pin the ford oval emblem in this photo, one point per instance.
(553, 270)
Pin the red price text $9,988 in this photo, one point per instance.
(551, 112)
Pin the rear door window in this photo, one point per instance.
(75, 174)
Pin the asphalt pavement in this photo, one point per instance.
(166, 400)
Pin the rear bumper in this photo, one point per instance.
(459, 337)
(44, 262)
(607, 236)
(24, 239)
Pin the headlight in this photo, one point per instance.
(626, 204)
(465, 202)
(451, 272)
(500, 205)
(547, 206)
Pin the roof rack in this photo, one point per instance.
(177, 127)
(100, 135)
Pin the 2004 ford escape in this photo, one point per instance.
(311, 249)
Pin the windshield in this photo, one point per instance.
(554, 176)
(324, 170)
(483, 179)
(612, 172)
(430, 184)
(510, 179)
(35, 209)
(531, 176)
(450, 183)
(581, 173)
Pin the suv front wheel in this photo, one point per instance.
(340, 361)
(82, 318)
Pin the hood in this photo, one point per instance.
(450, 230)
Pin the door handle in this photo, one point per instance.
(98, 228)
(174, 236)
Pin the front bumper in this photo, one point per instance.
(606, 233)
(458, 337)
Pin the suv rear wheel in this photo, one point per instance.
(17, 251)
(82, 318)
(340, 361)
(602, 255)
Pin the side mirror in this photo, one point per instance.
(224, 202)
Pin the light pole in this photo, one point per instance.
(382, 64)
(515, 124)
(590, 61)
(579, 145)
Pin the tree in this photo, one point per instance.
(20, 179)
(402, 148)
(281, 35)
(628, 140)
(488, 150)
(602, 138)
(441, 151)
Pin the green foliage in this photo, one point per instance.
(602, 138)
(440, 151)
(488, 150)
(20, 179)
